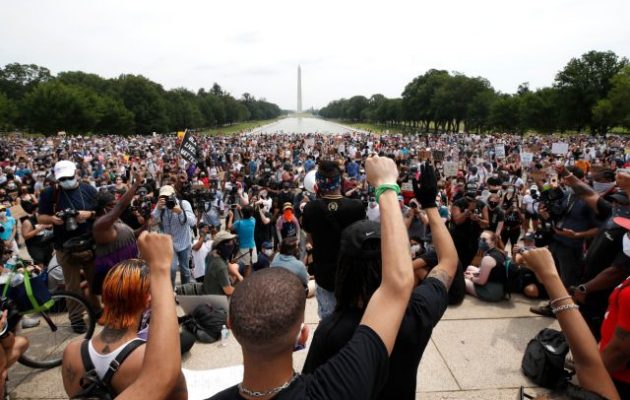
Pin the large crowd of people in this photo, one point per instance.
(386, 231)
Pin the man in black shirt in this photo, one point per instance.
(69, 193)
(470, 218)
(358, 276)
(267, 325)
(324, 219)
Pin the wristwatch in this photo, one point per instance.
(582, 288)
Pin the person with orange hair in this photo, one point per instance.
(125, 298)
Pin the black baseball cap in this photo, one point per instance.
(356, 235)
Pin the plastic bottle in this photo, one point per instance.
(16, 277)
(225, 333)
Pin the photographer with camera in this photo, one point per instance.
(176, 218)
(470, 217)
(571, 222)
(213, 205)
(115, 240)
(69, 207)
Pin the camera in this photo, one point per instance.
(69, 216)
(171, 201)
(554, 202)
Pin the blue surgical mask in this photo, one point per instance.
(483, 245)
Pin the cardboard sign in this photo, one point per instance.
(527, 158)
(450, 169)
(188, 149)
(499, 151)
(424, 155)
(560, 148)
(17, 212)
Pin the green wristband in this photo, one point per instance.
(384, 188)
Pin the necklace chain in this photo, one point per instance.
(269, 392)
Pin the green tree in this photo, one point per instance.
(17, 79)
(619, 98)
(8, 112)
(504, 113)
(146, 100)
(53, 106)
(582, 83)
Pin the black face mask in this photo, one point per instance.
(492, 204)
(226, 250)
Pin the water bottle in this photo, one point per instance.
(17, 278)
(224, 336)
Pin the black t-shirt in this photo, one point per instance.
(262, 232)
(81, 198)
(426, 307)
(497, 215)
(513, 219)
(468, 230)
(498, 273)
(324, 219)
(356, 372)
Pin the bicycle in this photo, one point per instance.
(66, 316)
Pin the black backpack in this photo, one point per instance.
(513, 278)
(205, 322)
(544, 357)
(93, 387)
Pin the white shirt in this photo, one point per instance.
(199, 259)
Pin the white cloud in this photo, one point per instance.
(345, 47)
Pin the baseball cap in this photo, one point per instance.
(222, 237)
(622, 222)
(356, 235)
(167, 190)
(64, 169)
(287, 206)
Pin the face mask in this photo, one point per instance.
(69, 184)
(626, 245)
(288, 215)
(483, 245)
(268, 252)
(510, 190)
(225, 250)
(603, 187)
(492, 204)
(415, 249)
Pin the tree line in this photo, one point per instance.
(591, 92)
(32, 99)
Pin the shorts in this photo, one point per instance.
(491, 291)
(532, 216)
(247, 258)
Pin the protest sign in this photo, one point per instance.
(188, 149)
(560, 148)
(499, 151)
(527, 158)
(438, 155)
(450, 169)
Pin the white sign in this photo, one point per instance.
(527, 158)
(560, 148)
(450, 169)
(499, 151)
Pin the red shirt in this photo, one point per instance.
(618, 315)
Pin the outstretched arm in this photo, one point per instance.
(581, 189)
(589, 366)
(162, 359)
(102, 224)
(386, 308)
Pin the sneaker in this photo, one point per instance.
(545, 310)
(28, 322)
(78, 326)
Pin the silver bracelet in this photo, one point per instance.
(564, 307)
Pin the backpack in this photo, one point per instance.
(93, 387)
(543, 361)
(205, 322)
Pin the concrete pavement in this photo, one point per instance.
(475, 353)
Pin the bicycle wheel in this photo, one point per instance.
(70, 318)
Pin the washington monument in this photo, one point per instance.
(299, 104)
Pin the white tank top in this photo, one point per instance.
(102, 361)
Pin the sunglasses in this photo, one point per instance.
(67, 178)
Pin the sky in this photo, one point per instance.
(345, 47)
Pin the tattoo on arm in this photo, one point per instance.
(441, 276)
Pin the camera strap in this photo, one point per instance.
(70, 200)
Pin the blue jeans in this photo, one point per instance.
(326, 302)
(181, 258)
